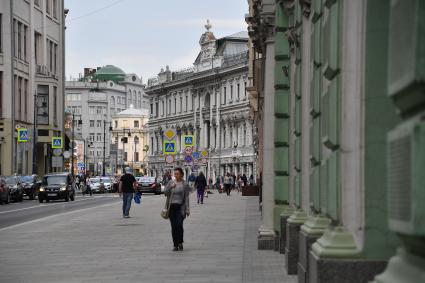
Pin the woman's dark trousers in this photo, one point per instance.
(176, 219)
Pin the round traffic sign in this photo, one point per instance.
(169, 159)
(188, 150)
(57, 152)
(204, 160)
(188, 158)
(66, 154)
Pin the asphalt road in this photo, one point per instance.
(28, 210)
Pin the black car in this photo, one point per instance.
(56, 186)
(15, 186)
(4, 191)
(148, 185)
(31, 185)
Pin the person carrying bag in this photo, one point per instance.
(177, 207)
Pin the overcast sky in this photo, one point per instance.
(142, 36)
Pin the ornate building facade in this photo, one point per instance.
(209, 101)
(94, 99)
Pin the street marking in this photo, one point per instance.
(56, 215)
(47, 205)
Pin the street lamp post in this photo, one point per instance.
(104, 145)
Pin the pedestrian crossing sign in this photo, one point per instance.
(57, 142)
(169, 147)
(22, 135)
(188, 140)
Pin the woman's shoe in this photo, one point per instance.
(175, 249)
(180, 247)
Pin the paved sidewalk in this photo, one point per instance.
(98, 245)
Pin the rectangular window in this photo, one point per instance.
(156, 109)
(99, 110)
(19, 41)
(199, 101)
(136, 124)
(185, 107)
(92, 137)
(1, 94)
(169, 106)
(239, 91)
(163, 108)
(244, 90)
(99, 137)
(92, 110)
(42, 104)
(231, 93)
(26, 99)
(175, 105)
(55, 9)
(92, 123)
(1, 33)
(50, 43)
(37, 48)
(98, 124)
(151, 109)
(99, 153)
(136, 156)
(19, 98)
(55, 58)
(48, 6)
(55, 106)
(116, 124)
(224, 96)
(181, 104)
(25, 42)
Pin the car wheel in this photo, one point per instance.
(72, 197)
(21, 198)
(40, 200)
(32, 196)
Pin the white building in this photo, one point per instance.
(130, 137)
(94, 99)
(31, 62)
(210, 101)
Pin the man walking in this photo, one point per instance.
(126, 189)
(227, 183)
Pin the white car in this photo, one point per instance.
(96, 185)
(107, 183)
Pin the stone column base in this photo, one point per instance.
(305, 243)
(283, 220)
(292, 246)
(337, 270)
(266, 239)
(276, 242)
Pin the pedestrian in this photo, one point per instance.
(179, 191)
(200, 184)
(227, 183)
(244, 179)
(191, 180)
(251, 180)
(127, 187)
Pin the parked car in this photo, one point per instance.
(15, 186)
(96, 185)
(4, 191)
(115, 184)
(56, 186)
(31, 185)
(107, 183)
(148, 185)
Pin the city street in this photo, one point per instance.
(89, 241)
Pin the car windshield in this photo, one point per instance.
(95, 180)
(54, 180)
(27, 179)
(11, 180)
(147, 179)
(106, 180)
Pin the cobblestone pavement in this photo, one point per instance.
(98, 245)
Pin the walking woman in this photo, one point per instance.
(178, 190)
(200, 184)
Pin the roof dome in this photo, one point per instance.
(109, 73)
(134, 112)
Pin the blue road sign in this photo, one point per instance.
(56, 142)
(22, 135)
(170, 147)
(188, 158)
(195, 155)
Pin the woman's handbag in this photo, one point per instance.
(165, 213)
